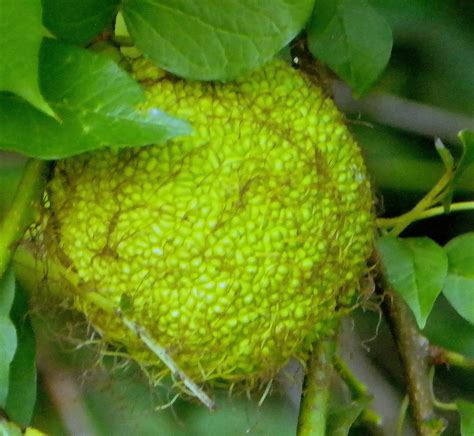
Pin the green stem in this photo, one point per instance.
(22, 210)
(447, 407)
(402, 415)
(429, 213)
(433, 197)
(315, 398)
(441, 356)
(357, 388)
(358, 391)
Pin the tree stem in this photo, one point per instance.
(414, 352)
(22, 209)
(315, 398)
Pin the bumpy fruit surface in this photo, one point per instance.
(235, 246)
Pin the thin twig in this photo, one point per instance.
(21, 212)
(358, 391)
(26, 265)
(402, 415)
(315, 398)
(162, 354)
(357, 388)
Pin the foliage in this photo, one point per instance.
(417, 269)
(65, 89)
(223, 42)
(352, 38)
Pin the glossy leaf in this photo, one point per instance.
(416, 268)
(467, 158)
(8, 343)
(78, 21)
(7, 292)
(208, 40)
(352, 38)
(9, 428)
(466, 412)
(448, 162)
(96, 102)
(22, 387)
(459, 285)
(8, 339)
(341, 418)
(21, 34)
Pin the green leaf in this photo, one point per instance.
(9, 428)
(96, 102)
(467, 158)
(341, 418)
(8, 344)
(209, 40)
(459, 284)
(445, 155)
(7, 292)
(448, 162)
(416, 268)
(21, 34)
(466, 411)
(10, 176)
(78, 22)
(352, 38)
(22, 391)
(8, 339)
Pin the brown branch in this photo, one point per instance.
(413, 349)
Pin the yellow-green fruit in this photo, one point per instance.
(233, 247)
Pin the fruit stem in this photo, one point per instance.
(315, 398)
(22, 210)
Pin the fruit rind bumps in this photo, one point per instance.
(236, 246)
